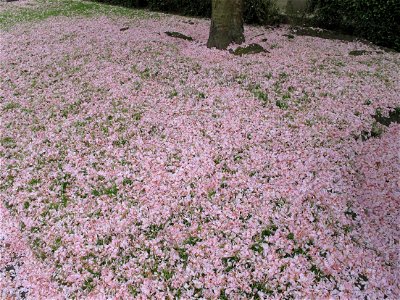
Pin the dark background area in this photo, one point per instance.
(375, 20)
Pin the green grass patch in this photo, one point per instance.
(230, 262)
(44, 9)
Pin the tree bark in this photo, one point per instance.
(226, 23)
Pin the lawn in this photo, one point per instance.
(134, 164)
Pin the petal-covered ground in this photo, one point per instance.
(134, 164)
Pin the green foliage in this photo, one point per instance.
(183, 255)
(109, 191)
(186, 7)
(260, 94)
(8, 142)
(263, 12)
(375, 20)
(230, 262)
(192, 240)
(255, 11)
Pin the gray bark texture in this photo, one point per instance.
(226, 23)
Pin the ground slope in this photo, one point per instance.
(138, 164)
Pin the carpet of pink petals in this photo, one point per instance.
(10, 6)
(134, 164)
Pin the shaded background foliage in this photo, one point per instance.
(263, 12)
(375, 20)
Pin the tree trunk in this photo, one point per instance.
(226, 23)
